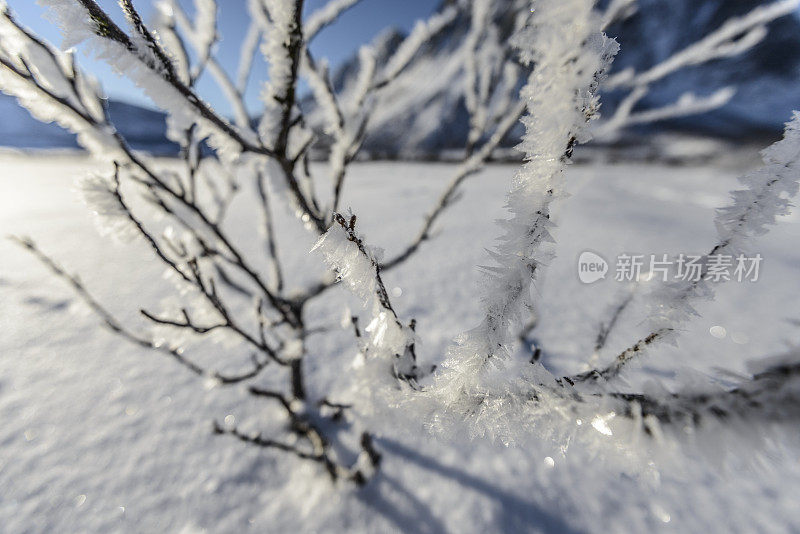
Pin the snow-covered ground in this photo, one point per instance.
(99, 436)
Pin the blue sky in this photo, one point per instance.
(338, 42)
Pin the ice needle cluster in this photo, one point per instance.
(569, 54)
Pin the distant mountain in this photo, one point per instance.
(767, 76)
(423, 113)
(145, 129)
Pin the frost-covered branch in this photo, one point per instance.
(350, 132)
(283, 48)
(569, 54)
(269, 232)
(242, 294)
(494, 109)
(301, 418)
(769, 396)
(735, 36)
(202, 34)
(475, 97)
(767, 195)
(422, 32)
(606, 328)
(144, 60)
(62, 88)
(318, 450)
(48, 82)
(688, 104)
(472, 165)
(106, 196)
(326, 16)
(211, 273)
(108, 319)
(618, 10)
(358, 267)
(247, 56)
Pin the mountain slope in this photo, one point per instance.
(423, 113)
(766, 77)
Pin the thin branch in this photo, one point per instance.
(247, 56)
(469, 167)
(326, 16)
(233, 93)
(606, 328)
(269, 232)
(623, 359)
(720, 43)
(106, 28)
(108, 319)
(258, 366)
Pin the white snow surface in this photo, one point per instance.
(101, 436)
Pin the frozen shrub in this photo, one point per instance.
(558, 54)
